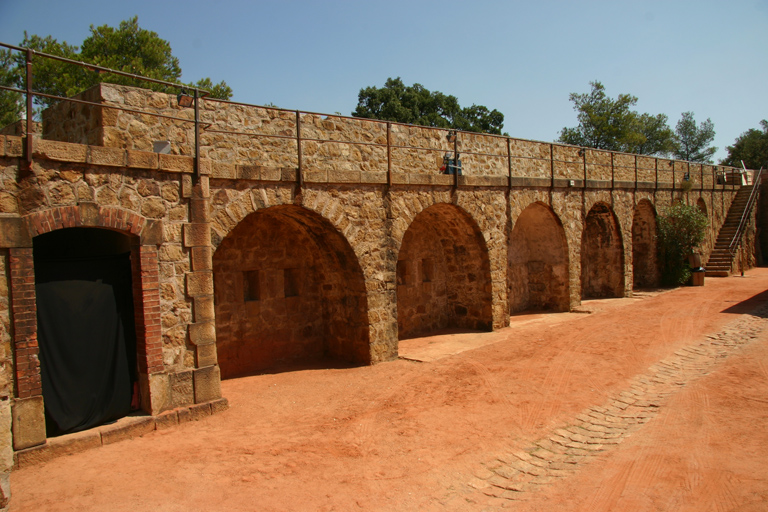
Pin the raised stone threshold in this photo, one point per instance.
(135, 425)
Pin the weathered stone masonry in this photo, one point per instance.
(273, 255)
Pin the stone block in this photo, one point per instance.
(90, 214)
(290, 175)
(222, 404)
(14, 147)
(14, 233)
(315, 176)
(207, 384)
(152, 233)
(399, 178)
(182, 389)
(205, 355)
(58, 447)
(142, 159)
(203, 308)
(106, 156)
(224, 171)
(373, 177)
(2, 145)
(155, 393)
(419, 179)
(199, 411)
(202, 258)
(199, 283)
(166, 420)
(197, 235)
(186, 185)
(205, 166)
(6, 452)
(202, 333)
(60, 151)
(270, 174)
(127, 428)
(28, 422)
(343, 176)
(442, 179)
(199, 210)
(201, 187)
(176, 163)
(248, 172)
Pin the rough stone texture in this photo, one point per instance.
(243, 267)
(443, 274)
(28, 422)
(537, 262)
(602, 255)
(645, 265)
(287, 288)
(6, 453)
(207, 384)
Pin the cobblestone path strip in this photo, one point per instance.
(516, 475)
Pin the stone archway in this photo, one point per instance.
(288, 288)
(443, 274)
(86, 326)
(602, 255)
(537, 262)
(645, 267)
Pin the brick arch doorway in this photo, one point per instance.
(537, 262)
(645, 263)
(86, 326)
(443, 274)
(288, 289)
(602, 255)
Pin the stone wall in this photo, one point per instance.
(340, 246)
(261, 137)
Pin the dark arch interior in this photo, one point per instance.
(645, 268)
(443, 275)
(85, 327)
(537, 262)
(602, 255)
(288, 290)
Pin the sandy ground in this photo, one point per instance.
(429, 432)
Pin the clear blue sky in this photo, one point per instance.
(520, 57)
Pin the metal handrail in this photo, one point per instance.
(209, 128)
(736, 240)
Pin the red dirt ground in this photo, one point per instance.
(412, 435)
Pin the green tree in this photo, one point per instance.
(417, 105)
(128, 48)
(692, 142)
(612, 124)
(680, 229)
(11, 105)
(751, 147)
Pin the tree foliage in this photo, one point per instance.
(751, 147)
(11, 105)
(692, 142)
(680, 229)
(128, 48)
(417, 105)
(612, 124)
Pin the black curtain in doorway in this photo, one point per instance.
(87, 340)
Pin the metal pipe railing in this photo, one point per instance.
(299, 136)
(736, 240)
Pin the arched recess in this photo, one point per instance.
(288, 288)
(645, 266)
(86, 326)
(537, 262)
(443, 274)
(602, 255)
(702, 205)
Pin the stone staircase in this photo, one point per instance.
(720, 259)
